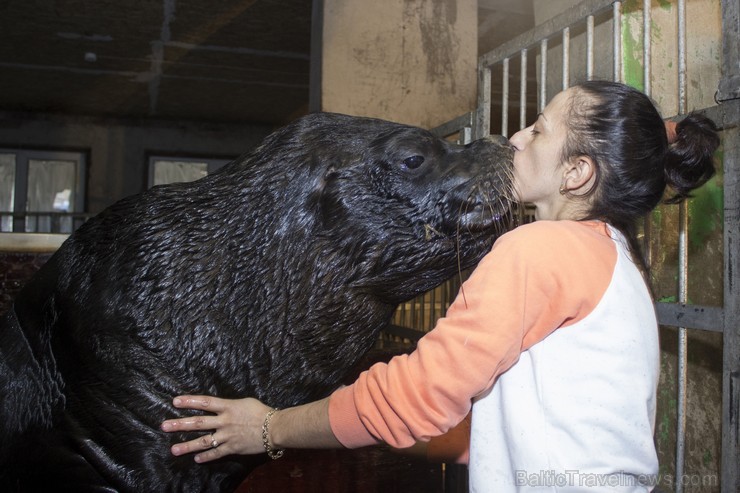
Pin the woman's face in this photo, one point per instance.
(538, 173)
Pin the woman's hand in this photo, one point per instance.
(236, 427)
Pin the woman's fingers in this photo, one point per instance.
(195, 423)
(207, 445)
(202, 402)
(235, 427)
(191, 423)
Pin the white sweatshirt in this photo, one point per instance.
(553, 342)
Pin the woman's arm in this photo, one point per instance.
(239, 424)
(515, 298)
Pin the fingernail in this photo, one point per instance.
(198, 458)
(175, 450)
(177, 401)
(165, 426)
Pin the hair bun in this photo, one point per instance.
(689, 161)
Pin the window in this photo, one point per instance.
(163, 170)
(41, 191)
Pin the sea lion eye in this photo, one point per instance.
(413, 162)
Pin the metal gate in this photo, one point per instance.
(587, 41)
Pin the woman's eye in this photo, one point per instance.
(534, 131)
(413, 162)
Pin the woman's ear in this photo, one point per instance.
(580, 175)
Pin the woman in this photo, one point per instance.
(554, 345)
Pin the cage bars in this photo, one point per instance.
(725, 319)
(680, 315)
(676, 314)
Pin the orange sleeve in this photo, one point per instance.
(531, 283)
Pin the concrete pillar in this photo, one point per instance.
(412, 61)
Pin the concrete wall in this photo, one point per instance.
(412, 62)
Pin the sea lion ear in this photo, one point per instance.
(317, 198)
(329, 173)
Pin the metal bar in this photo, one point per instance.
(690, 316)
(682, 99)
(505, 100)
(483, 112)
(729, 94)
(726, 115)
(683, 224)
(729, 86)
(731, 337)
(542, 100)
(729, 109)
(454, 126)
(590, 47)
(566, 58)
(466, 135)
(413, 310)
(523, 90)
(646, 34)
(647, 79)
(545, 30)
(21, 192)
(682, 347)
(617, 40)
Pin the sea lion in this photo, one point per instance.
(269, 278)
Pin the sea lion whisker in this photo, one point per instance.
(459, 269)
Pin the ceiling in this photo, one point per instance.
(241, 61)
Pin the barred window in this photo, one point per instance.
(41, 191)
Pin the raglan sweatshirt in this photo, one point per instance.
(552, 342)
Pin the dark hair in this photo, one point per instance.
(620, 129)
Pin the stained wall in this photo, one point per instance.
(412, 62)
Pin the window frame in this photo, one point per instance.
(212, 164)
(22, 158)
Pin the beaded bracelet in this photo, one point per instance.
(271, 452)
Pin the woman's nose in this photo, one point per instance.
(518, 140)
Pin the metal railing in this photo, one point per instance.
(584, 19)
(725, 114)
(42, 222)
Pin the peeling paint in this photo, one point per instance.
(705, 212)
(438, 43)
(632, 65)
